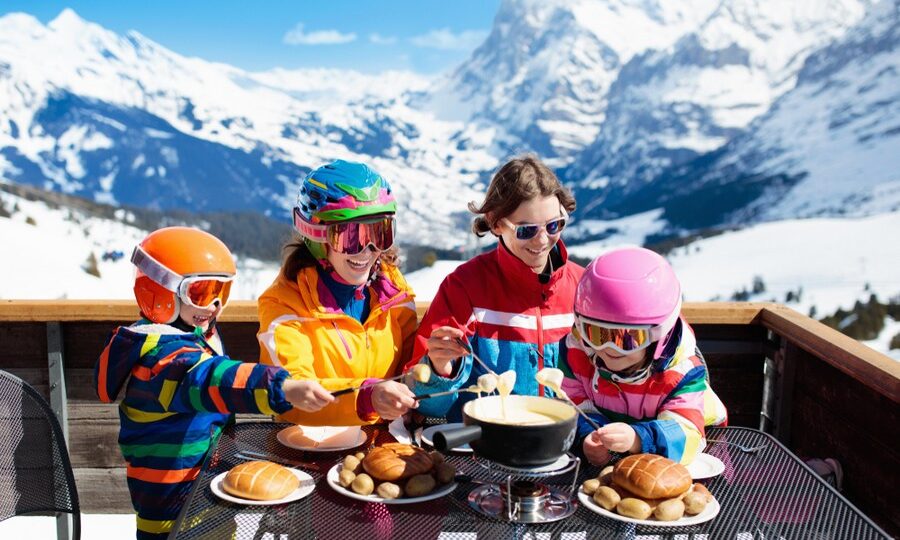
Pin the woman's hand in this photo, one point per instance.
(619, 437)
(307, 396)
(594, 450)
(392, 400)
(443, 348)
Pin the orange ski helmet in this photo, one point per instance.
(180, 264)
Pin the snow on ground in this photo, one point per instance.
(46, 260)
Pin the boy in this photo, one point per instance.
(182, 389)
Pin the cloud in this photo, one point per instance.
(444, 39)
(378, 39)
(296, 36)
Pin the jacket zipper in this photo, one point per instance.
(540, 339)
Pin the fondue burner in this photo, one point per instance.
(523, 500)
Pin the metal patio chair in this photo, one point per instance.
(35, 472)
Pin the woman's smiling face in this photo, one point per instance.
(354, 269)
(534, 251)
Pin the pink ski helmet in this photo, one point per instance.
(631, 286)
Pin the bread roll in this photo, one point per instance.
(395, 461)
(260, 481)
(652, 477)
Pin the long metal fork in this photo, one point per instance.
(741, 447)
(251, 456)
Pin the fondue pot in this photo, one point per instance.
(510, 440)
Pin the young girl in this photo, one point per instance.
(182, 389)
(511, 305)
(340, 312)
(633, 361)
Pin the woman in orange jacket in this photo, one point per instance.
(339, 311)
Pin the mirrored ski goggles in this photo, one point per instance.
(624, 339)
(203, 291)
(350, 237)
(527, 231)
(199, 291)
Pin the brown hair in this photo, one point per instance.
(520, 179)
(297, 257)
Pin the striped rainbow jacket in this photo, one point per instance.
(511, 319)
(668, 405)
(180, 392)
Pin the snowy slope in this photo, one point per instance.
(671, 105)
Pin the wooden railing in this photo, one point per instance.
(820, 392)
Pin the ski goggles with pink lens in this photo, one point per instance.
(350, 237)
(527, 231)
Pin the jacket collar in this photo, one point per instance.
(520, 273)
(388, 289)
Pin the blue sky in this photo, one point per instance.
(426, 36)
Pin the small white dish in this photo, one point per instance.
(334, 474)
(307, 485)
(711, 511)
(321, 438)
(705, 466)
(428, 435)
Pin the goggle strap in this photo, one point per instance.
(155, 270)
(310, 231)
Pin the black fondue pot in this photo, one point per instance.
(515, 445)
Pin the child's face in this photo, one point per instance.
(622, 362)
(200, 316)
(354, 269)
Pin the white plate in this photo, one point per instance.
(560, 463)
(332, 479)
(428, 434)
(711, 511)
(705, 466)
(307, 485)
(321, 438)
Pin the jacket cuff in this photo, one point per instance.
(277, 400)
(364, 409)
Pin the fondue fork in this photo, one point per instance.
(468, 348)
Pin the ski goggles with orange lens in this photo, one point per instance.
(527, 231)
(350, 237)
(622, 338)
(203, 291)
(199, 291)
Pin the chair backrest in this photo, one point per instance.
(35, 472)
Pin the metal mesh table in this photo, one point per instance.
(767, 494)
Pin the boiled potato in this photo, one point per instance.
(605, 476)
(436, 457)
(634, 508)
(694, 503)
(388, 490)
(420, 484)
(360, 456)
(590, 486)
(363, 484)
(606, 497)
(351, 463)
(444, 473)
(345, 477)
(700, 488)
(669, 510)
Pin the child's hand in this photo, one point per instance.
(307, 396)
(443, 348)
(392, 400)
(594, 450)
(619, 437)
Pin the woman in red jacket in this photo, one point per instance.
(513, 304)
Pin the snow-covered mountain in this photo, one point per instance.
(120, 119)
(671, 105)
(830, 146)
(710, 110)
